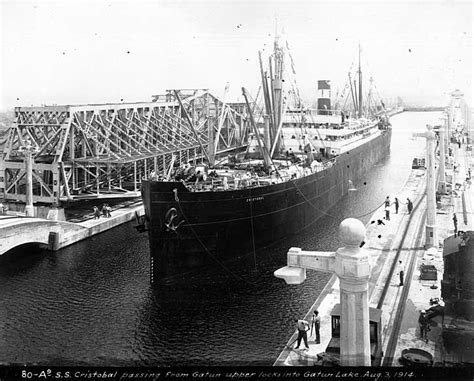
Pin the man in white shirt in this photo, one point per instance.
(303, 328)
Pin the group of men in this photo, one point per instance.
(106, 209)
(303, 326)
(409, 205)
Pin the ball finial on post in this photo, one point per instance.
(351, 232)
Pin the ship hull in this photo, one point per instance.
(189, 231)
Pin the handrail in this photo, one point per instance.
(252, 182)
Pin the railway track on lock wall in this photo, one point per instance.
(411, 241)
(400, 246)
(418, 233)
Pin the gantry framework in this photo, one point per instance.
(90, 151)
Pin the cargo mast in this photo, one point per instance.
(277, 84)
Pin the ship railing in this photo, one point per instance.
(325, 111)
(218, 184)
(253, 182)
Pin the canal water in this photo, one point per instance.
(92, 304)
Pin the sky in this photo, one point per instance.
(83, 52)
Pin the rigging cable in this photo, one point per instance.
(328, 214)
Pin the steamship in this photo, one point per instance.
(299, 162)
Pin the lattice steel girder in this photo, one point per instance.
(228, 120)
(103, 146)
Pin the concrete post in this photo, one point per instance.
(54, 239)
(28, 151)
(353, 269)
(351, 265)
(442, 159)
(431, 236)
(29, 208)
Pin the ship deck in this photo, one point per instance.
(245, 175)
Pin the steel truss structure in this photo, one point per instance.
(99, 151)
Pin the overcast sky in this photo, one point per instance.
(75, 52)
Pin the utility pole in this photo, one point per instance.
(351, 264)
(431, 236)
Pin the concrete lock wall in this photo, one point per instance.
(52, 234)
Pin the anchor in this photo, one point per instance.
(170, 216)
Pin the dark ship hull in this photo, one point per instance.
(196, 230)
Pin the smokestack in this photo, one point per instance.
(324, 97)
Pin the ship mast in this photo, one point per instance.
(354, 102)
(276, 85)
(360, 88)
(268, 104)
(272, 84)
(266, 157)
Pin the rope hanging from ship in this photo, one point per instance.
(328, 214)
